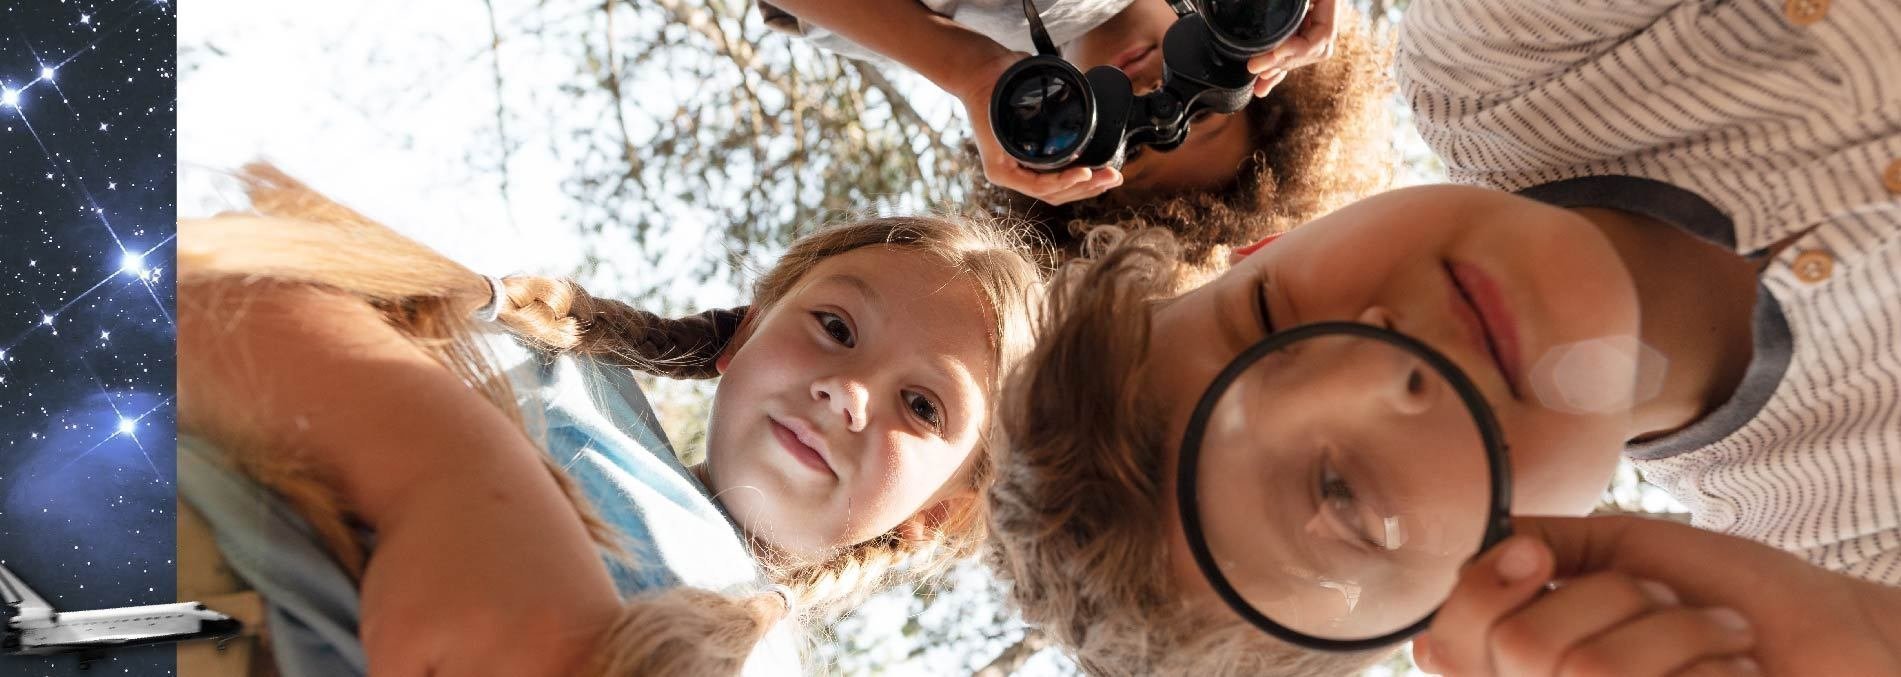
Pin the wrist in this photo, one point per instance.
(970, 64)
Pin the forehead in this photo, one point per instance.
(909, 296)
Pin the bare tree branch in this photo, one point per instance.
(501, 111)
(1013, 658)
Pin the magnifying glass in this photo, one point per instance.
(1333, 480)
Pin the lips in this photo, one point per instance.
(803, 443)
(1481, 304)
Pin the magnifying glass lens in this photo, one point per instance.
(1341, 482)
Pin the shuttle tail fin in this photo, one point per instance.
(25, 602)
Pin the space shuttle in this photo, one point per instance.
(34, 628)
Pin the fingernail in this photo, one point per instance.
(1658, 592)
(1729, 619)
(1746, 666)
(1519, 562)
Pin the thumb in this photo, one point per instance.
(1660, 549)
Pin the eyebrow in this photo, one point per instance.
(863, 288)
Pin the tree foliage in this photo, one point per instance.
(692, 110)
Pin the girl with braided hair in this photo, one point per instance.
(426, 471)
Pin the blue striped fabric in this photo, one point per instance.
(1785, 115)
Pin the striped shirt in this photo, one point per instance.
(1744, 122)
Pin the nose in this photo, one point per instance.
(1397, 377)
(845, 396)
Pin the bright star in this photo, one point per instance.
(46, 73)
(126, 425)
(105, 336)
(85, 18)
(10, 97)
(46, 319)
(133, 263)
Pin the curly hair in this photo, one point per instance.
(1321, 140)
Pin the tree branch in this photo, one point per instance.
(501, 109)
(1013, 658)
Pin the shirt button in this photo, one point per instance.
(1892, 177)
(1813, 266)
(1805, 12)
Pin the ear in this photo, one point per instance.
(1243, 252)
(740, 335)
(926, 522)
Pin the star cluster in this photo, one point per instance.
(87, 338)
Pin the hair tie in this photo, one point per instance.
(497, 293)
(785, 595)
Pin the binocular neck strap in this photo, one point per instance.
(1037, 34)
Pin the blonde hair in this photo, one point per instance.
(431, 299)
(1077, 506)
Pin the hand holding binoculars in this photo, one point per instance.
(1048, 115)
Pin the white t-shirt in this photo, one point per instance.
(1000, 20)
(1744, 122)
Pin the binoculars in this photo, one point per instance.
(1048, 115)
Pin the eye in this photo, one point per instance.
(927, 411)
(835, 327)
(1260, 305)
(1343, 507)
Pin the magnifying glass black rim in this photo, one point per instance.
(998, 104)
(1498, 522)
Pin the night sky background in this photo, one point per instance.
(87, 340)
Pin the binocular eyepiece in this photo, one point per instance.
(1048, 115)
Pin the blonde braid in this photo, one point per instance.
(560, 316)
(420, 292)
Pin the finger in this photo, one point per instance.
(1490, 588)
(1266, 83)
(1661, 643)
(1260, 63)
(1725, 666)
(1105, 180)
(1534, 640)
(1011, 175)
(1422, 654)
(1650, 548)
(1321, 21)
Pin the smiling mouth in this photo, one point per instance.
(1483, 326)
(806, 454)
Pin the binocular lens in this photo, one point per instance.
(1259, 23)
(1043, 112)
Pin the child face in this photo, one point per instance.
(853, 403)
(1216, 144)
(1392, 259)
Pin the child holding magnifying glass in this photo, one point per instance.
(1694, 267)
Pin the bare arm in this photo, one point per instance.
(481, 564)
(960, 61)
(946, 53)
